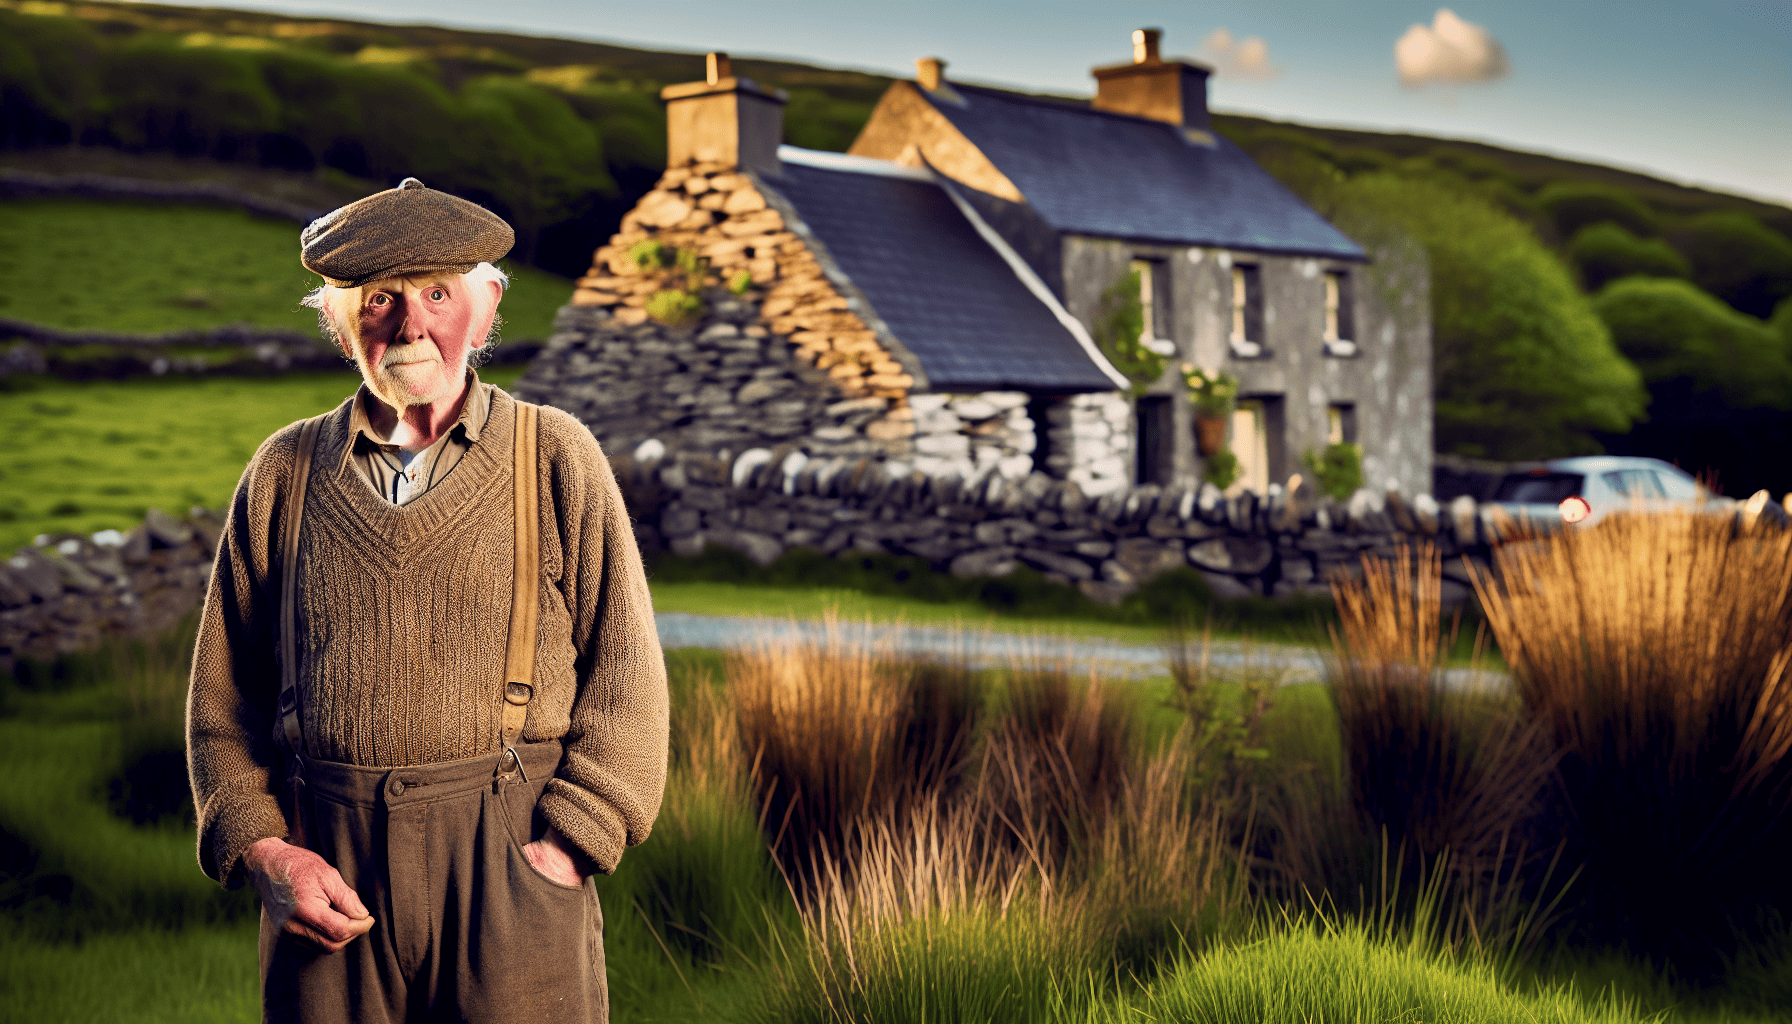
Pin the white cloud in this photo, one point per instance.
(1450, 51)
(1230, 58)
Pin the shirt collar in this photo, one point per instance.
(475, 409)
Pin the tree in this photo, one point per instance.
(1738, 259)
(1605, 252)
(1720, 382)
(1572, 205)
(1523, 367)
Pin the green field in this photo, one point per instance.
(96, 456)
(140, 267)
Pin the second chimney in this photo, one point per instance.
(1171, 91)
(724, 120)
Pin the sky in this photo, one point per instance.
(1699, 93)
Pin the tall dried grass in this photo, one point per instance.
(1444, 784)
(1656, 653)
(912, 805)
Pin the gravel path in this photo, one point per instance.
(986, 648)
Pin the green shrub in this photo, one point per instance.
(674, 306)
(1738, 259)
(1221, 468)
(1675, 332)
(1573, 205)
(1605, 252)
(1119, 330)
(1338, 469)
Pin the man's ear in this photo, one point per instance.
(497, 295)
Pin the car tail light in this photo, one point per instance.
(1574, 509)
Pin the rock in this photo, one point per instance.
(1145, 558)
(1073, 568)
(1114, 572)
(1094, 548)
(680, 522)
(1211, 504)
(1425, 514)
(757, 391)
(1401, 513)
(1107, 592)
(662, 209)
(13, 593)
(749, 460)
(1241, 512)
(1297, 570)
(984, 562)
(1228, 588)
(1243, 556)
(35, 574)
(165, 531)
(688, 546)
(1462, 520)
(761, 549)
(745, 200)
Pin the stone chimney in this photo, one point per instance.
(724, 120)
(1172, 91)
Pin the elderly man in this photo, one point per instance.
(428, 701)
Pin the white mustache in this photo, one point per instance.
(411, 352)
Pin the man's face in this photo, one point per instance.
(410, 336)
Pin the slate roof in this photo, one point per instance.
(1098, 173)
(946, 295)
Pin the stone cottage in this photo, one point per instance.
(928, 299)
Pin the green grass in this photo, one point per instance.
(96, 456)
(190, 976)
(84, 264)
(1307, 973)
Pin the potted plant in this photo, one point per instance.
(1213, 395)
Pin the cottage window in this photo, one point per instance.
(1247, 311)
(1154, 305)
(1340, 326)
(1340, 423)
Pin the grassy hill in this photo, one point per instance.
(270, 90)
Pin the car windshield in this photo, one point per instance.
(1538, 488)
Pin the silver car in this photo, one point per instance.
(1586, 489)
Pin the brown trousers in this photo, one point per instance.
(466, 929)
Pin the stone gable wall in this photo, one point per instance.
(798, 360)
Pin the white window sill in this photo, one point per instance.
(1161, 346)
(1246, 349)
(1340, 349)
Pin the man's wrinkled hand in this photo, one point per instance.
(553, 856)
(304, 896)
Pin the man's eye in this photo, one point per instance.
(380, 300)
(437, 295)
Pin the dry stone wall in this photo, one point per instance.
(68, 592)
(764, 502)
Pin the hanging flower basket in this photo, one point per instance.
(1210, 433)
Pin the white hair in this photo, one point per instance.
(324, 296)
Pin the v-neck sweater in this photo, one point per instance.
(402, 618)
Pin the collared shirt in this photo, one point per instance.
(399, 475)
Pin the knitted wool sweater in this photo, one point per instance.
(402, 619)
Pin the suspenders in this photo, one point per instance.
(519, 658)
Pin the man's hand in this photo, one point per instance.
(556, 858)
(305, 896)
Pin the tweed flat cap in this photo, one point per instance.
(406, 230)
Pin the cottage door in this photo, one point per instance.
(1250, 442)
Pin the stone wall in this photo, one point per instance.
(67, 593)
(765, 502)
